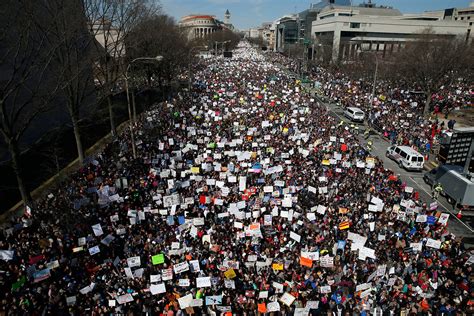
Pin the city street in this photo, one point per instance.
(244, 194)
(413, 179)
(193, 158)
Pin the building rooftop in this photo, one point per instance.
(323, 3)
(360, 10)
(198, 16)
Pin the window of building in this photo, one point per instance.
(355, 25)
(327, 16)
(462, 18)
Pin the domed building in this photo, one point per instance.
(201, 25)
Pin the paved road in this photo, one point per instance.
(413, 179)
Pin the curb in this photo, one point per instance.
(430, 165)
(73, 166)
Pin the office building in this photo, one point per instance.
(348, 30)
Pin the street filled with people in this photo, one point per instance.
(397, 112)
(393, 109)
(246, 198)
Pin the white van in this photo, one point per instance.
(406, 157)
(354, 114)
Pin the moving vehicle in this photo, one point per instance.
(354, 114)
(406, 157)
(457, 188)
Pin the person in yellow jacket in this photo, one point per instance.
(436, 190)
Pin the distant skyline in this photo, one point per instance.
(251, 13)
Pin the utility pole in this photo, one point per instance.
(375, 77)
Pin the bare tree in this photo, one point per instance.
(168, 41)
(257, 41)
(432, 61)
(65, 25)
(27, 85)
(224, 35)
(110, 22)
(92, 34)
(323, 49)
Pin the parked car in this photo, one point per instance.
(406, 157)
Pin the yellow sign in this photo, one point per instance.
(285, 130)
(230, 274)
(195, 170)
(277, 266)
(370, 160)
(343, 210)
(325, 162)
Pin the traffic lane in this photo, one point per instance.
(412, 178)
(415, 180)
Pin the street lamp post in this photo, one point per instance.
(132, 136)
(375, 75)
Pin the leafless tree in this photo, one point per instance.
(92, 34)
(258, 41)
(110, 22)
(27, 86)
(66, 27)
(323, 49)
(223, 35)
(432, 61)
(168, 41)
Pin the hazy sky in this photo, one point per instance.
(250, 13)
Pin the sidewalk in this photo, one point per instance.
(464, 117)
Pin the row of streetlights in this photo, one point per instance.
(130, 121)
(363, 51)
(154, 59)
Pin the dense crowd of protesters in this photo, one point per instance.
(396, 109)
(246, 198)
(398, 112)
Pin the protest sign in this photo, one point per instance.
(158, 259)
(157, 288)
(203, 282)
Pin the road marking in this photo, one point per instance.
(447, 209)
(406, 175)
